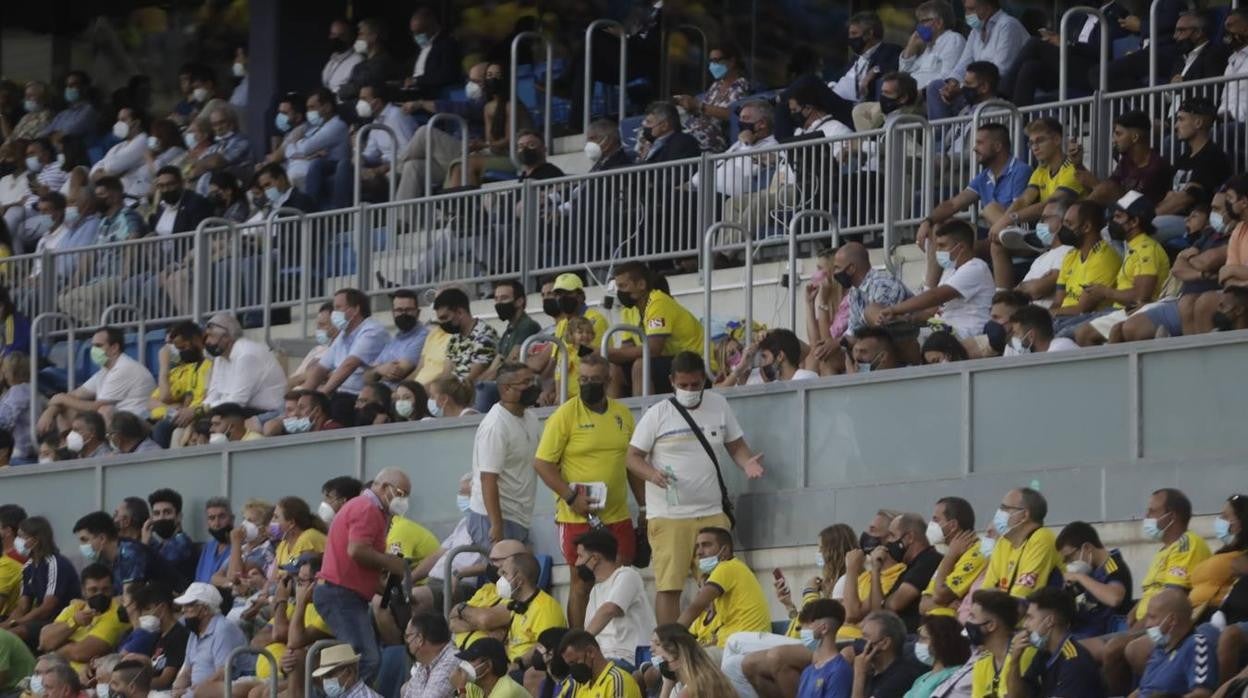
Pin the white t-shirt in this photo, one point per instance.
(973, 282)
(1058, 344)
(801, 374)
(666, 436)
(128, 384)
(1050, 261)
(506, 444)
(623, 634)
(458, 537)
(250, 376)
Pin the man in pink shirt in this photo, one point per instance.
(355, 560)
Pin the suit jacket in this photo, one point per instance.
(301, 201)
(191, 210)
(442, 67)
(884, 61)
(1209, 63)
(678, 146)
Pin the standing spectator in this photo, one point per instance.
(181, 383)
(15, 404)
(1184, 658)
(342, 57)
(935, 46)
(212, 638)
(730, 594)
(990, 628)
(473, 343)
(79, 117)
(883, 669)
(861, 80)
(1097, 578)
(89, 627)
(921, 561)
(119, 383)
(618, 613)
(163, 534)
(995, 37)
(585, 442)
(360, 341)
(1061, 667)
(214, 559)
(593, 671)
(509, 302)
(438, 58)
(959, 285)
(1025, 557)
(244, 371)
(688, 494)
(504, 481)
(706, 114)
(428, 641)
(354, 558)
(670, 329)
(48, 580)
(126, 159)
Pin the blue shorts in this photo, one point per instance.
(479, 530)
(1166, 314)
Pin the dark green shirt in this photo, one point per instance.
(515, 334)
(16, 662)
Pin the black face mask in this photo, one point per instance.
(842, 277)
(493, 86)
(857, 44)
(338, 45)
(99, 603)
(975, 633)
(539, 661)
(1116, 231)
(1185, 45)
(666, 671)
(530, 395)
(165, 528)
(586, 574)
(405, 323)
(970, 94)
(558, 669)
(797, 117)
(868, 542)
(191, 356)
(569, 305)
(550, 306)
(896, 550)
(888, 105)
(1066, 236)
(506, 311)
(745, 126)
(593, 393)
(996, 334)
(449, 327)
(647, 134)
(171, 197)
(193, 623)
(212, 349)
(123, 615)
(491, 573)
(1221, 322)
(221, 535)
(580, 673)
(626, 299)
(529, 157)
(584, 351)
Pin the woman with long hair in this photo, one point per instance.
(687, 669)
(298, 530)
(942, 646)
(411, 403)
(496, 113)
(49, 581)
(1213, 577)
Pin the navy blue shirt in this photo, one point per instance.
(1071, 672)
(1093, 618)
(52, 576)
(1191, 665)
(211, 561)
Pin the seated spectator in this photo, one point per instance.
(181, 383)
(131, 677)
(670, 329)
(1031, 332)
(244, 371)
(88, 437)
(49, 581)
(376, 65)
(99, 278)
(943, 347)
(509, 304)
(428, 642)
(1098, 579)
(487, 659)
(1184, 659)
(995, 340)
(935, 46)
(747, 173)
(324, 335)
(380, 153)
(995, 38)
(486, 612)
(1055, 176)
(19, 663)
(495, 156)
(1198, 173)
(780, 359)
(1140, 167)
(437, 57)
(163, 533)
(230, 151)
(279, 193)
(119, 383)
(532, 609)
(959, 286)
(37, 114)
(1034, 73)
(706, 114)
(875, 350)
(1040, 282)
(436, 145)
(315, 413)
(372, 405)
(15, 405)
(229, 423)
(78, 118)
(215, 556)
(730, 594)
(683, 661)
(605, 151)
(212, 639)
(906, 544)
(164, 147)
(1232, 312)
(618, 614)
(980, 82)
(662, 136)
(178, 209)
(126, 159)
(73, 224)
(1197, 57)
(827, 673)
(361, 339)
(952, 523)
(44, 175)
(291, 125)
(342, 58)
(883, 669)
(990, 628)
(410, 402)
(311, 160)
(1060, 664)
(592, 670)
(450, 397)
(129, 434)
(1024, 558)
(1092, 263)
(899, 93)
(130, 516)
(474, 343)
(166, 639)
(943, 646)
(860, 81)
(89, 627)
(61, 681)
(1141, 277)
(531, 153)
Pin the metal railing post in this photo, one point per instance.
(71, 325)
(799, 218)
(515, 65)
(199, 269)
(309, 662)
(359, 156)
(142, 338)
(229, 669)
(305, 275)
(645, 351)
(589, 69)
(563, 358)
(446, 579)
(1152, 45)
(528, 229)
(266, 273)
(1064, 47)
(463, 150)
(894, 173)
(708, 258)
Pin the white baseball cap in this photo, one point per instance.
(200, 592)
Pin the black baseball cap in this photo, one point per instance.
(487, 648)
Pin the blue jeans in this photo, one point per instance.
(394, 670)
(347, 615)
(479, 529)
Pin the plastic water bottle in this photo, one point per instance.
(673, 498)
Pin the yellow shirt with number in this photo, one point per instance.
(613, 682)
(10, 584)
(1020, 571)
(741, 607)
(433, 355)
(186, 380)
(987, 682)
(310, 541)
(411, 540)
(1172, 567)
(485, 597)
(1048, 183)
(590, 447)
(1145, 257)
(107, 626)
(959, 581)
(1101, 267)
(888, 580)
(543, 612)
(666, 318)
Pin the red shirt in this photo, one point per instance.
(361, 520)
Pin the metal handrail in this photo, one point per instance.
(463, 148)
(72, 326)
(359, 156)
(798, 218)
(589, 70)
(563, 358)
(708, 259)
(447, 600)
(895, 121)
(309, 659)
(1152, 44)
(550, 70)
(266, 271)
(200, 266)
(1064, 28)
(239, 651)
(645, 351)
(142, 339)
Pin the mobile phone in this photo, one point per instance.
(777, 574)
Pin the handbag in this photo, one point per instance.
(725, 503)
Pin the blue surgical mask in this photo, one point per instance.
(718, 70)
(322, 338)
(315, 119)
(297, 425)
(72, 94)
(1159, 638)
(945, 260)
(282, 122)
(88, 553)
(923, 653)
(1216, 221)
(1001, 522)
(1045, 235)
(1152, 530)
(819, 561)
(36, 684)
(422, 39)
(34, 165)
(925, 33)
(986, 546)
(1036, 639)
(191, 139)
(434, 408)
(463, 501)
(273, 195)
(974, 22)
(708, 564)
(1222, 531)
(339, 320)
(71, 214)
(808, 638)
(332, 688)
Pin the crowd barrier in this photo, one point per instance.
(1096, 430)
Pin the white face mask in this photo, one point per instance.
(326, 512)
(689, 399)
(364, 109)
(200, 94)
(218, 438)
(74, 441)
(473, 91)
(593, 151)
(121, 130)
(403, 408)
(935, 535)
(360, 46)
(503, 587)
(149, 624)
(21, 546)
(398, 506)
(250, 531)
(239, 70)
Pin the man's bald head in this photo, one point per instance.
(395, 477)
(477, 72)
(853, 259)
(1170, 601)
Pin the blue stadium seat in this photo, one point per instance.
(628, 131)
(544, 580)
(779, 627)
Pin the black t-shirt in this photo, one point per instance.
(1071, 673)
(1093, 618)
(896, 679)
(170, 651)
(918, 574)
(545, 170)
(1203, 172)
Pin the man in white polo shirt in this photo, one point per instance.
(120, 383)
(618, 613)
(244, 371)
